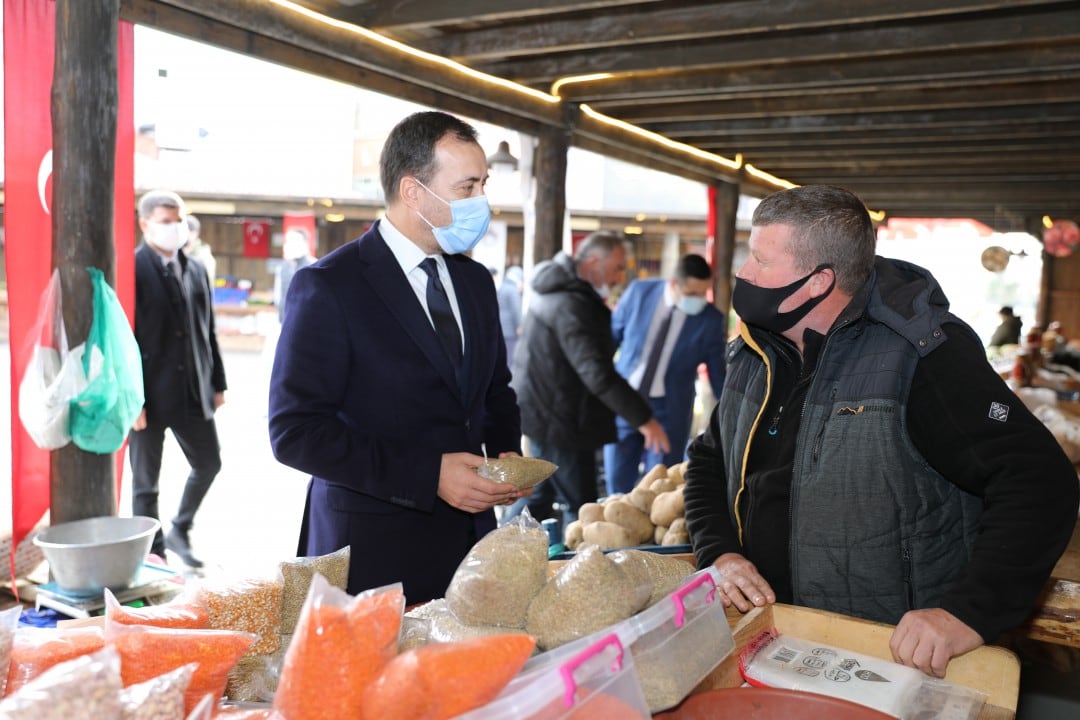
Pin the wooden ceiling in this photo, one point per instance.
(925, 108)
(955, 108)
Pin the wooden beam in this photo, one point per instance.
(813, 77)
(550, 168)
(389, 15)
(84, 110)
(524, 34)
(947, 35)
(1018, 92)
(275, 33)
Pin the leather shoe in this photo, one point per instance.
(177, 541)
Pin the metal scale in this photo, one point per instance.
(151, 580)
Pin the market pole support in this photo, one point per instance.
(84, 111)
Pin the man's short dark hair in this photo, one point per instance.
(410, 147)
(829, 225)
(692, 266)
(1006, 310)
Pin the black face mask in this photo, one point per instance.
(761, 306)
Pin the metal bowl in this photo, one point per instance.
(86, 556)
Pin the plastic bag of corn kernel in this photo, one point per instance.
(35, 650)
(159, 698)
(251, 605)
(182, 611)
(85, 687)
(146, 652)
(297, 574)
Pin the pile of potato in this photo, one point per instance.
(651, 514)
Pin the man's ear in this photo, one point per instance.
(142, 225)
(822, 281)
(409, 191)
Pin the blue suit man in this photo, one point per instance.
(664, 329)
(390, 373)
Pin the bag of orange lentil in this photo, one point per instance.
(35, 650)
(339, 646)
(146, 652)
(439, 681)
(181, 612)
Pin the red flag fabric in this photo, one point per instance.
(304, 221)
(29, 29)
(256, 239)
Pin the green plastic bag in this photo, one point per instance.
(103, 413)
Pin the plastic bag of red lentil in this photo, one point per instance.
(182, 612)
(35, 650)
(340, 645)
(9, 622)
(147, 652)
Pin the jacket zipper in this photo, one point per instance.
(909, 587)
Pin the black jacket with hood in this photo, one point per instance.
(563, 368)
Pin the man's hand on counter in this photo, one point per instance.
(743, 585)
(928, 639)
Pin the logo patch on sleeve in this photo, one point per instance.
(999, 411)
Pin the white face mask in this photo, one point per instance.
(604, 291)
(169, 237)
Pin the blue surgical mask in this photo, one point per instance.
(470, 218)
(691, 304)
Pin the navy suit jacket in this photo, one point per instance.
(703, 339)
(364, 398)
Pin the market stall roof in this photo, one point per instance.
(955, 108)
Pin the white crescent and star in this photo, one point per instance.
(43, 173)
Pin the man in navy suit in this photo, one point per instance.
(390, 373)
(664, 330)
(183, 378)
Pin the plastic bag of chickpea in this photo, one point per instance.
(84, 687)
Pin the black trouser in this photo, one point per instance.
(198, 440)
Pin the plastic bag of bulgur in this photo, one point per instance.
(87, 686)
(587, 594)
(501, 575)
(444, 626)
(297, 574)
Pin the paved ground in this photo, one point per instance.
(251, 516)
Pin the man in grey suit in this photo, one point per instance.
(390, 373)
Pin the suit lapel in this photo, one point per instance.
(470, 323)
(382, 272)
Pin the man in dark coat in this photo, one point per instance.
(565, 376)
(390, 374)
(1008, 332)
(183, 377)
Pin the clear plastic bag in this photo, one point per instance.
(87, 687)
(35, 650)
(501, 575)
(54, 376)
(251, 605)
(103, 413)
(182, 612)
(159, 698)
(147, 652)
(340, 645)
(783, 661)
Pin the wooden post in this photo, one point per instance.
(550, 168)
(84, 111)
(725, 207)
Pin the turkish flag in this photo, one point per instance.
(256, 238)
(29, 31)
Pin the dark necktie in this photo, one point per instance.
(441, 315)
(655, 351)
